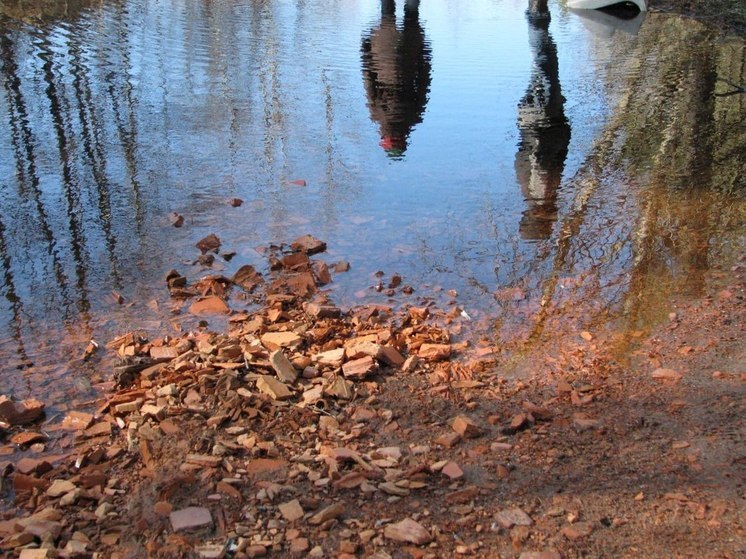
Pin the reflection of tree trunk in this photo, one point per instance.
(23, 145)
(126, 121)
(16, 304)
(69, 185)
(663, 137)
(95, 154)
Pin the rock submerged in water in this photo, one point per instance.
(20, 413)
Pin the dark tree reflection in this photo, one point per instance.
(544, 130)
(396, 73)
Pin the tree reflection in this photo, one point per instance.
(396, 74)
(544, 130)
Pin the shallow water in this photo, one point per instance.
(547, 166)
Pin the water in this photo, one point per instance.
(537, 163)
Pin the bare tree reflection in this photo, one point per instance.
(23, 146)
(70, 184)
(396, 73)
(544, 130)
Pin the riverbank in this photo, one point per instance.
(384, 431)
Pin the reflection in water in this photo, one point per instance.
(661, 201)
(607, 23)
(112, 118)
(396, 73)
(544, 130)
(44, 10)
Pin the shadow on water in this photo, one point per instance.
(544, 130)
(397, 64)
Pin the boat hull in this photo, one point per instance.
(596, 4)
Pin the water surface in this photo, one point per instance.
(537, 161)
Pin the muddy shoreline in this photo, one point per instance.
(310, 430)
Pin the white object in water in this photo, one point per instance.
(596, 4)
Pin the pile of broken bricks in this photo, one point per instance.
(244, 443)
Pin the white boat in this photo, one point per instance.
(605, 24)
(596, 4)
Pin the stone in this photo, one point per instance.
(299, 545)
(247, 278)
(513, 517)
(103, 510)
(163, 508)
(59, 487)
(321, 272)
(165, 353)
(256, 551)
(577, 531)
(539, 412)
(273, 388)
(583, 422)
(540, 555)
(362, 349)
(70, 498)
(282, 366)
(20, 413)
(276, 340)
(435, 352)
(449, 440)
(308, 244)
(177, 220)
(667, 375)
(74, 547)
(23, 482)
(462, 496)
(77, 421)
(409, 531)
(410, 364)
(392, 489)
(291, 510)
(328, 513)
(390, 356)
(350, 480)
(28, 466)
(101, 429)
(43, 529)
(359, 368)
(209, 243)
(190, 518)
(466, 427)
(206, 460)
(27, 438)
(315, 310)
(452, 470)
(518, 422)
(333, 357)
(37, 554)
(209, 305)
(340, 388)
(261, 466)
(211, 551)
